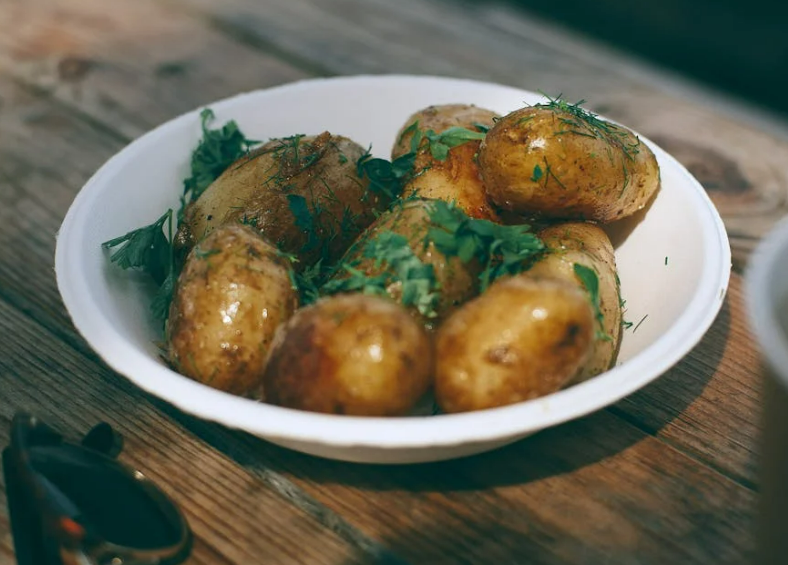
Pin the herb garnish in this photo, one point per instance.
(217, 150)
(501, 250)
(585, 123)
(590, 281)
(149, 250)
(392, 250)
(440, 143)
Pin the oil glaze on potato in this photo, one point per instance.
(457, 178)
(564, 163)
(458, 282)
(302, 193)
(232, 294)
(588, 245)
(350, 354)
(522, 339)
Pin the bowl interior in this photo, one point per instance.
(673, 259)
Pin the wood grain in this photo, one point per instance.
(235, 517)
(625, 497)
(667, 474)
(129, 68)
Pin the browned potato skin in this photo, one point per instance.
(457, 178)
(232, 294)
(587, 245)
(522, 339)
(458, 281)
(256, 188)
(590, 176)
(350, 354)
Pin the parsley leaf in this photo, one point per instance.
(391, 253)
(386, 178)
(217, 150)
(590, 281)
(537, 174)
(149, 250)
(501, 250)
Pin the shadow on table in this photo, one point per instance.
(556, 451)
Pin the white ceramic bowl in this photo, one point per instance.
(674, 265)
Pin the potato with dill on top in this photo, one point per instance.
(582, 254)
(350, 354)
(446, 139)
(524, 338)
(233, 292)
(561, 161)
(303, 193)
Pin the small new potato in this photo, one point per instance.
(233, 292)
(456, 178)
(457, 281)
(578, 243)
(522, 339)
(559, 161)
(350, 354)
(301, 193)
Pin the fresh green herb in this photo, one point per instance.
(308, 282)
(149, 250)
(643, 319)
(481, 127)
(666, 261)
(440, 143)
(386, 178)
(586, 123)
(590, 281)
(626, 325)
(501, 250)
(395, 262)
(537, 174)
(217, 150)
(342, 158)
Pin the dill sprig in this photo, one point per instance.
(585, 123)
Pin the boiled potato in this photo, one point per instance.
(457, 177)
(560, 161)
(456, 281)
(350, 354)
(578, 243)
(233, 292)
(523, 338)
(302, 193)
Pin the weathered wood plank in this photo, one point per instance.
(592, 491)
(709, 404)
(34, 128)
(719, 141)
(130, 67)
(236, 518)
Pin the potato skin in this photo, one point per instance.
(551, 162)
(457, 178)
(458, 282)
(522, 339)
(587, 245)
(260, 189)
(233, 292)
(350, 354)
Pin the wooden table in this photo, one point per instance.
(668, 475)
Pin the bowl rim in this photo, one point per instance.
(286, 424)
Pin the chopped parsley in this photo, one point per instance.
(501, 250)
(395, 262)
(590, 281)
(149, 249)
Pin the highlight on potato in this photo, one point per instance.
(471, 268)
